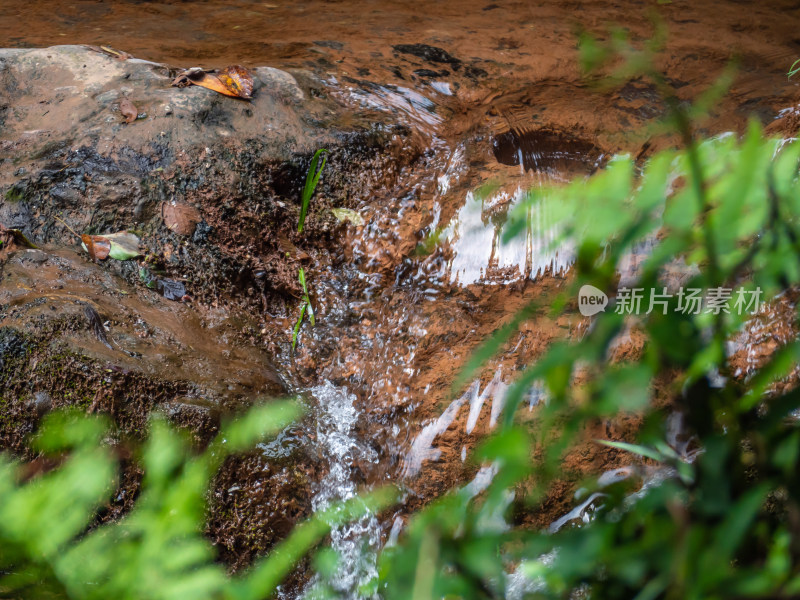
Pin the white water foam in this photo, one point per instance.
(356, 543)
(479, 252)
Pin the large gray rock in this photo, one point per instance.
(71, 94)
(64, 142)
(66, 153)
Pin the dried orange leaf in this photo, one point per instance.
(238, 80)
(212, 82)
(232, 81)
(98, 247)
(188, 77)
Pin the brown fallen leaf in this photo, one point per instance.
(98, 247)
(234, 81)
(188, 77)
(238, 80)
(128, 110)
(13, 238)
(180, 218)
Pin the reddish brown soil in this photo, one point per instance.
(512, 52)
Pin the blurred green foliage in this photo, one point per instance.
(50, 546)
(719, 521)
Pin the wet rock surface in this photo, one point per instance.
(211, 186)
(67, 151)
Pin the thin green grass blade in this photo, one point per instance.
(794, 69)
(312, 179)
(301, 275)
(298, 324)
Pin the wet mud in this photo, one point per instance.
(437, 122)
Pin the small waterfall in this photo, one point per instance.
(356, 543)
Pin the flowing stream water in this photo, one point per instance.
(356, 543)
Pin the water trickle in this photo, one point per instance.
(761, 336)
(680, 439)
(356, 543)
(536, 394)
(476, 401)
(497, 390)
(422, 449)
(442, 87)
(415, 107)
(520, 585)
(481, 481)
(616, 475)
(480, 255)
(583, 513)
(397, 527)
